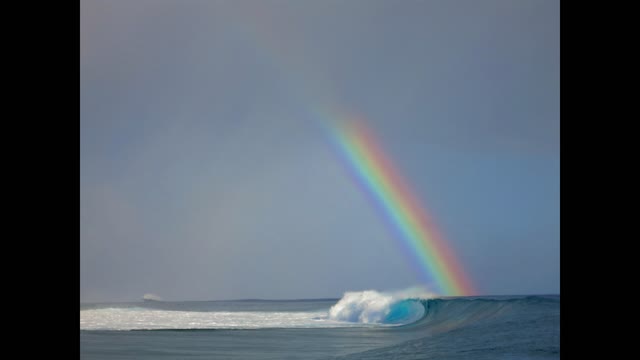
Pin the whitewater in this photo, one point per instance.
(354, 309)
(407, 324)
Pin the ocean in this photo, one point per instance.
(361, 325)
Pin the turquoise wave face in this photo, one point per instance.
(384, 308)
(364, 325)
(404, 312)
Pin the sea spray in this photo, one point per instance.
(370, 306)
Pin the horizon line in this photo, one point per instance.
(303, 299)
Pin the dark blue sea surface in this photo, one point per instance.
(367, 325)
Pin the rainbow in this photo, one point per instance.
(384, 185)
(428, 251)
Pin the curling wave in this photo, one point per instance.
(372, 307)
(411, 310)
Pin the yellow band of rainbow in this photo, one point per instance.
(384, 183)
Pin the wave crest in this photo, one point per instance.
(373, 307)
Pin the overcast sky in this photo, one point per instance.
(204, 174)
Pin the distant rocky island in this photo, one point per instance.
(151, 297)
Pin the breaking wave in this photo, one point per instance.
(409, 310)
(373, 307)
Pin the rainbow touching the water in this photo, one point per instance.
(383, 183)
(356, 145)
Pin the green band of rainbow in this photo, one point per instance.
(388, 189)
(364, 157)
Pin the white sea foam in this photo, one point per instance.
(364, 308)
(371, 306)
(141, 318)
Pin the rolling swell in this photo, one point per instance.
(460, 328)
(457, 312)
(403, 312)
(365, 326)
(410, 309)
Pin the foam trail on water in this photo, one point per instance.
(355, 309)
(136, 318)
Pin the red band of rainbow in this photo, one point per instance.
(384, 183)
